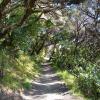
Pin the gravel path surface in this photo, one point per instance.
(48, 87)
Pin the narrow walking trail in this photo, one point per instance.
(48, 87)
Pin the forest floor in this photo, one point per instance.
(48, 87)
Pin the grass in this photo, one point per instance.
(67, 77)
(20, 72)
(70, 81)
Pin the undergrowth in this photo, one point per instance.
(18, 71)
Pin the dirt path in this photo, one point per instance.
(48, 87)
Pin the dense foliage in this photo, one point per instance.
(67, 32)
(78, 62)
(77, 53)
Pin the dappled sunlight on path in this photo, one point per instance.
(48, 87)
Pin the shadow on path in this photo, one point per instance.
(48, 87)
